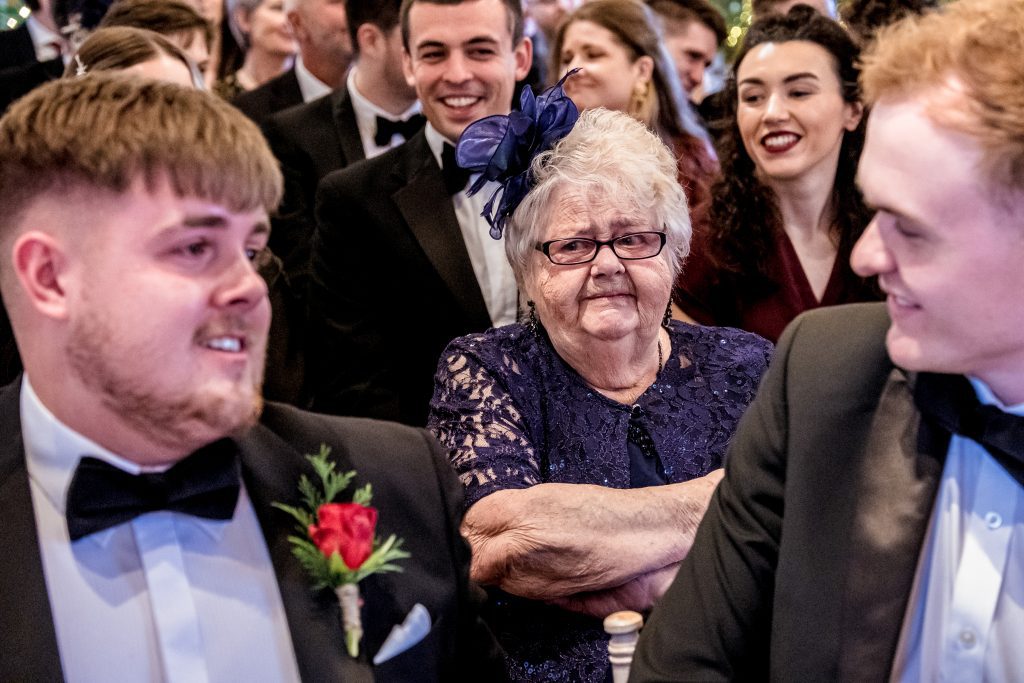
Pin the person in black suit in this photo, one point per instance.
(321, 31)
(16, 47)
(138, 467)
(869, 523)
(402, 261)
(371, 112)
(31, 53)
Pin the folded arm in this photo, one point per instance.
(556, 541)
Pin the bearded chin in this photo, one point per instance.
(196, 415)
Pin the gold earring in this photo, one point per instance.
(638, 100)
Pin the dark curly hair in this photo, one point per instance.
(744, 213)
(864, 17)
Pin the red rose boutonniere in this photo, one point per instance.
(338, 546)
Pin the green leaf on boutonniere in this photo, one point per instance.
(335, 533)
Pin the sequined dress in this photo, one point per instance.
(511, 414)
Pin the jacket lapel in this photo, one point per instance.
(287, 92)
(314, 618)
(27, 637)
(425, 204)
(346, 127)
(896, 489)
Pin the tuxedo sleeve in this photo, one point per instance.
(352, 292)
(293, 222)
(476, 650)
(714, 622)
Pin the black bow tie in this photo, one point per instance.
(455, 177)
(950, 401)
(205, 484)
(387, 129)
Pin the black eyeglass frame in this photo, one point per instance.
(545, 247)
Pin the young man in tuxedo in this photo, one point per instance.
(402, 261)
(870, 525)
(694, 30)
(138, 466)
(371, 110)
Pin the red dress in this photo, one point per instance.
(714, 296)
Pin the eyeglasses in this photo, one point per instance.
(631, 247)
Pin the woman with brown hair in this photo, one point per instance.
(134, 51)
(786, 211)
(623, 66)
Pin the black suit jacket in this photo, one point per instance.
(280, 92)
(309, 141)
(803, 566)
(16, 47)
(391, 285)
(417, 496)
(17, 81)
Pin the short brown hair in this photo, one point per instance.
(971, 47)
(684, 12)
(106, 131)
(166, 17)
(513, 7)
(121, 47)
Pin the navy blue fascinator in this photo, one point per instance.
(502, 147)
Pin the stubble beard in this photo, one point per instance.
(187, 421)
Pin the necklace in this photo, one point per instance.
(661, 360)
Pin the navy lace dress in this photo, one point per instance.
(511, 413)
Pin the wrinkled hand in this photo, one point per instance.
(640, 594)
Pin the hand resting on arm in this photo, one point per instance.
(588, 548)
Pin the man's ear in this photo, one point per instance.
(410, 76)
(40, 264)
(523, 57)
(369, 38)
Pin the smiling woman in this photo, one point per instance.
(786, 212)
(263, 43)
(548, 422)
(621, 63)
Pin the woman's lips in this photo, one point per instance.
(777, 143)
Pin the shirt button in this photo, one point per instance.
(967, 639)
(993, 520)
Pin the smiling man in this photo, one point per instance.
(402, 261)
(138, 464)
(870, 525)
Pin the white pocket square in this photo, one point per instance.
(403, 636)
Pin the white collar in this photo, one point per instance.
(310, 86)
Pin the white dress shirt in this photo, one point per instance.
(966, 619)
(310, 86)
(366, 118)
(166, 597)
(490, 265)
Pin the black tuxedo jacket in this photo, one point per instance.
(803, 566)
(309, 141)
(280, 92)
(16, 47)
(417, 496)
(17, 81)
(391, 285)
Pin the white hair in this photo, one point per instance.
(607, 154)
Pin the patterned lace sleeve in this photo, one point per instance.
(477, 421)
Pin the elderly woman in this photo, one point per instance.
(786, 211)
(590, 438)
